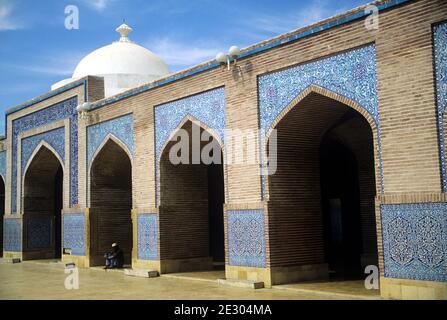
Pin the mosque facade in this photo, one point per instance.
(357, 117)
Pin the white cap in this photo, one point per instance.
(114, 244)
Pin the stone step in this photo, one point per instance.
(141, 273)
(10, 260)
(241, 283)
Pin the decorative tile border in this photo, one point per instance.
(440, 58)
(207, 107)
(74, 233)
(3, 165)
(351, 74)
(12, 235)
(147, 226)
(59, 111)
(121, 128)
(55, 138)
(246, 238)
(39, 232)
(415, 241)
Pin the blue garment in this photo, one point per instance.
(111, 262)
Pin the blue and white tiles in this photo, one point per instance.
(121, 128)
(147, 226)
(55, 138)
(440, 57)
(351, 74)
(59, 111)
(74, 233)
(246, 238)
(3, 165)
(12, 235)
(415, 241)
(207, 107)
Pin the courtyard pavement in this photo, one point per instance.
(45, 281)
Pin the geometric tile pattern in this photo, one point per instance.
(3, 165)
(55, 138)
(351, 74)
(440, 58)
(121, 128)
(74, 233)
(207, 107)
(39, 232)
(12, 235)
(246, 239)
(60, 111)
(147, 236)
(415, 241)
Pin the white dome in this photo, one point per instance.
(121, 58)
(123, 65)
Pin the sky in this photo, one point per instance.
(36, 50)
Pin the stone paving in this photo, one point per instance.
(31, 280)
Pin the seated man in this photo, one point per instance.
(115, 258)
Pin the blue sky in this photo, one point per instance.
(36, 50)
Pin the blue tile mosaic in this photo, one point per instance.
(351, 74)
(207, 107)
(147, 236)
(121, 128)
(39, 232)
(440, 57)
(3, 165)
(59, 111)
(12, 235)
(415, 241)
(55, 138)
(74, 233)
(246, 238)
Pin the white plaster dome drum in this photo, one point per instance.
(123, 65)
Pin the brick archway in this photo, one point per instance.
(42, 205)
(191, 208)
(317, 126)
(110, 202)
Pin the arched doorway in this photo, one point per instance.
(110, 202)
(191, 206)
(2, 212)
(321, 198)
(42, 206)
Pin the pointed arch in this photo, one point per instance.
(314, 89)
(105, 141)
(193, 120)
(203, 126)
(40, 146)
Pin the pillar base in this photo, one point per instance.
(250, 274)
(13, 255)
(405, 289)
(147, 265)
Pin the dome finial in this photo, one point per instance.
(124, 31)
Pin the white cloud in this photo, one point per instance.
(99, 5)
(7, 22)
(178, 54)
